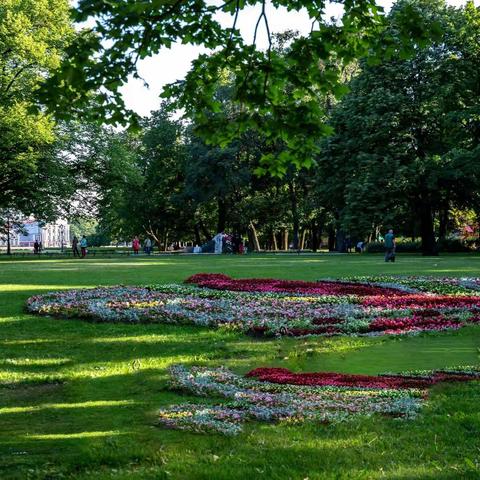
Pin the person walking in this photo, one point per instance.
(83, 246)
(389, 246)
(218, 239)
(136, 245)
(360, 246)
(147, 245)
(75, 251)
(35, 247)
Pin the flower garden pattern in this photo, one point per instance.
(385, 381)
(336, 398)
(270, 307)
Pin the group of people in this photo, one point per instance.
(147, 246)
(83, 246)
(223, 243)
(389, 244)
(348, 244)
(37, 247)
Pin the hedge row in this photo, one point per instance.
(446, 245)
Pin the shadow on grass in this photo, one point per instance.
(99, 421)
(111, 425)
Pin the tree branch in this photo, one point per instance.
(17, 74)
(269, 52)
(237, 10)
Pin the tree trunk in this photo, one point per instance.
(442, 229)
(316, 230)
(158, 239)
(222, 215)
(274, 241)
(302, 239)
(155, 234)
(285, 239)
(295, 217)
(204, 231)
(165, 241)
(340, 241)
(331, 239)
(429, 247)
(9, 251)
(198, 240)
(314, 236)
(253, 233)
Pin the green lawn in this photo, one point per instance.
(78, 399)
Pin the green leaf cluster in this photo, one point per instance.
(274, 93)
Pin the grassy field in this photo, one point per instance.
(78, 400)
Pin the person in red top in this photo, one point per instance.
(136, 245)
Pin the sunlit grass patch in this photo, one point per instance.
(72, 436)
(35, 361)
(63, 406)
(123, 368)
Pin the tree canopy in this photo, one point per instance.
(407, 136)
(386, 110)
(102, 58)
(404, 153)
(33, 35)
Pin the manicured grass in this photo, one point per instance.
(78, 399)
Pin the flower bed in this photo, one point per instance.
(277, 307)
(246, 399)
(334, 398)
(442, 286)
(219, 281)
(402, 381)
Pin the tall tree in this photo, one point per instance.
(218, 175)
(33, 35)
(407, 135)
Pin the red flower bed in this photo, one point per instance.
(219, 281)
(420, 301)
(474, 319)
(365, 309)
(327, 320)
(423, 323)
(285, 376)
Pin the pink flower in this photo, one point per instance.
(219, 281)
(285, 376)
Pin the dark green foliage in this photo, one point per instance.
(406, 142)
(454, 245)
(401, 247)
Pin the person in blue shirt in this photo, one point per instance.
(390, 246)
(83, 246)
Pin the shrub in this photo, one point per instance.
(453, 245)
(402, 247)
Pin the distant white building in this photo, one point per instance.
(51, 234)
